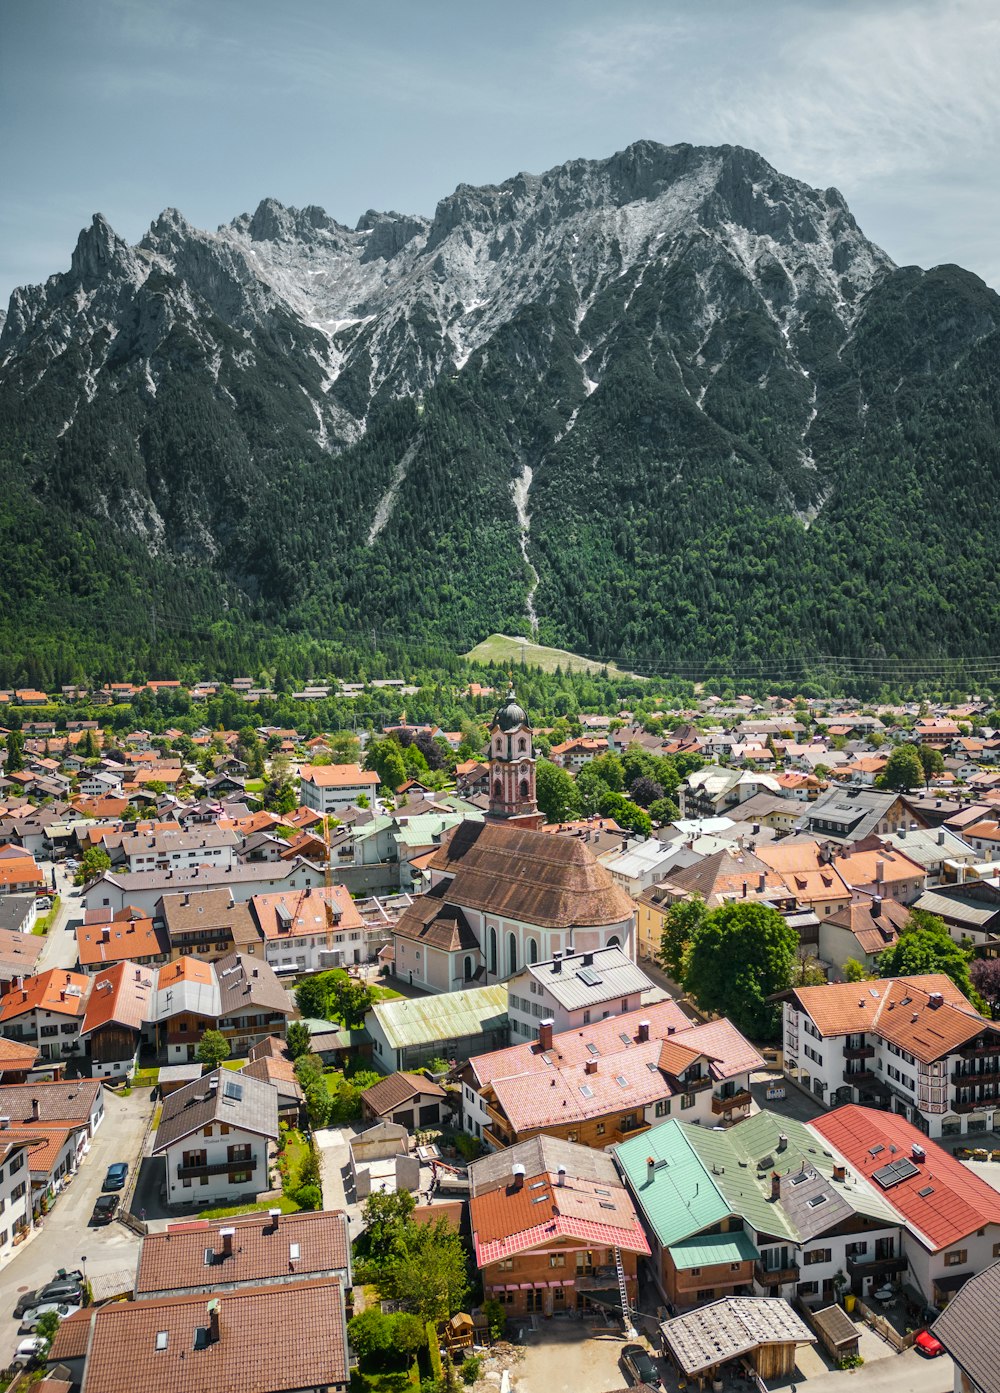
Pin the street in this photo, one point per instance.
(64, 1239)
(59, 947)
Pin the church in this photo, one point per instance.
(504, 893)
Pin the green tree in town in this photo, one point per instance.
(904, 770)
(931, 761)
(680, 924)
(386, 1219)
(555, 792)
(15, 752)
(739, 956)
(297, 1038)
(352, 1000)
(371, 1334)
(93, 863)
(431, 1276)
(213, 1048)
(855, 971)
(925, 945)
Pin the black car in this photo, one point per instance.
(105, 1209)
(638, 1365)
(63, 1290)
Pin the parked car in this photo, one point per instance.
(115, 1178)
(66, 1289)
(43, 902)
(928, 1345)
(105, 1209)
(639, 1366)
(28, 1352)
(30, 1319)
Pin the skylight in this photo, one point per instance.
(621, 1081)
(816, 1201)
(586, 1090)
(161, 1339)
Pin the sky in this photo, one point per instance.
(130, 106)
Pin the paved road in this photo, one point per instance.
(59, 948)
(908, 1372)
(65, 1236)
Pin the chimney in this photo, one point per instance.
(876, 906)
(643, 1032)
(591, 1066)
(275, 1216)
(650, 1167)
(545, 1033)
(214, 1324)
(561, 1176)
(761, 882)
(879, 872)
(840, 1173)
(106, 934)
(557, 962)
(940, 838)
(518, 1177)
(935, 999)
(775, 1186)
(33, 1115)
(902, 830)
(671, 1030)
(782, 1142)
(227, 1236)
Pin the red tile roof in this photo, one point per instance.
(339, 776)
(508, 1220)
(959, 1202)
(123, 994)
(63, 993)
(134, 939)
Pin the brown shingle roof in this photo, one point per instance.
(554, 882)
(175, 1261)
(270, 1339)
(432, 920)
(398, 1089)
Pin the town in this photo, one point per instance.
(602, 1045)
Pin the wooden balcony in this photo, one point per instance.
(696, 1085)
(777, 1277)
(876, 1267)
(990, 1075)
(499, 1126)
(496, 1139)
(977, 1051)
(857, 1077)
(976, 1105)
(742, 1099)
(860, 1052)
(624, 1131)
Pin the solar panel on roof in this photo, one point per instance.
(589, 977)
(894, 1172)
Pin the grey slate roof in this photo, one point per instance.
(538, 1154)
(847, 814)
(970, 1332)
(617, 976)
(237, 1099)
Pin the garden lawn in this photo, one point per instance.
(286, 1205)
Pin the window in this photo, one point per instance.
(956, 1257)
(600, 1129)
(735, 1266)
(695, 1271)
(996, 1250)
(687, 1100)
(816, 1255)
(662, 1108)
(707, 1295)
(506, 1264)
(586, 1017)
(557, 1259)
(808, 1289)
(512, 952)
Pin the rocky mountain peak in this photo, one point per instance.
(101, 254)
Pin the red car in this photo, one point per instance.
(929, 1345)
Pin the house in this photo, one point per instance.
(575, 753)
(16, 1060)
(849, 815)
(713, 791)
(46, 1011)
(728, 874)
(19, 951)
(310, 930)
(329, 788)
(937, 731)
(574, 988)
(870, 868)
(216, 1136)
(206, 923)
(57, 1122)
(144, 889)
(15, 1193)
(126, 936)
(20, 876)
(637, 865)
(762, 1209)
(950, 1217)
(860, 931)
(409, 1100)
(913, 1042)
(810, 872)
(270, 1061)
(405, 1033)
(117, 1010)
(604, 1082)
(553, 1228)
(969, 1332)
(257, 1339)
(238, 996)
(213, 847)
(937, 850)
(263, 1249)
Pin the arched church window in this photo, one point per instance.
(493, 950)
(532, 951)
(614, 941)
(524, 788)
(468, 969)
(522, 744)
(512, 952)
(498, 790)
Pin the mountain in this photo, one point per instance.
(670, 404)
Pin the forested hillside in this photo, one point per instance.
(738, 433)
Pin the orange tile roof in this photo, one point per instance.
(127, 939)
(15, 1055)
(186, 969)
(307, 909)
(860, 867)
(63, 993)
(897, 1008)
(983, 831)
(508, 1220)
(21, 871)
(123, 994)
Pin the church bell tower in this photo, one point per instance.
(512, 767)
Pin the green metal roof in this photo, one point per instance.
(449, 1016)
(679, 1197)
(736, 1175)
(711, 1248)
